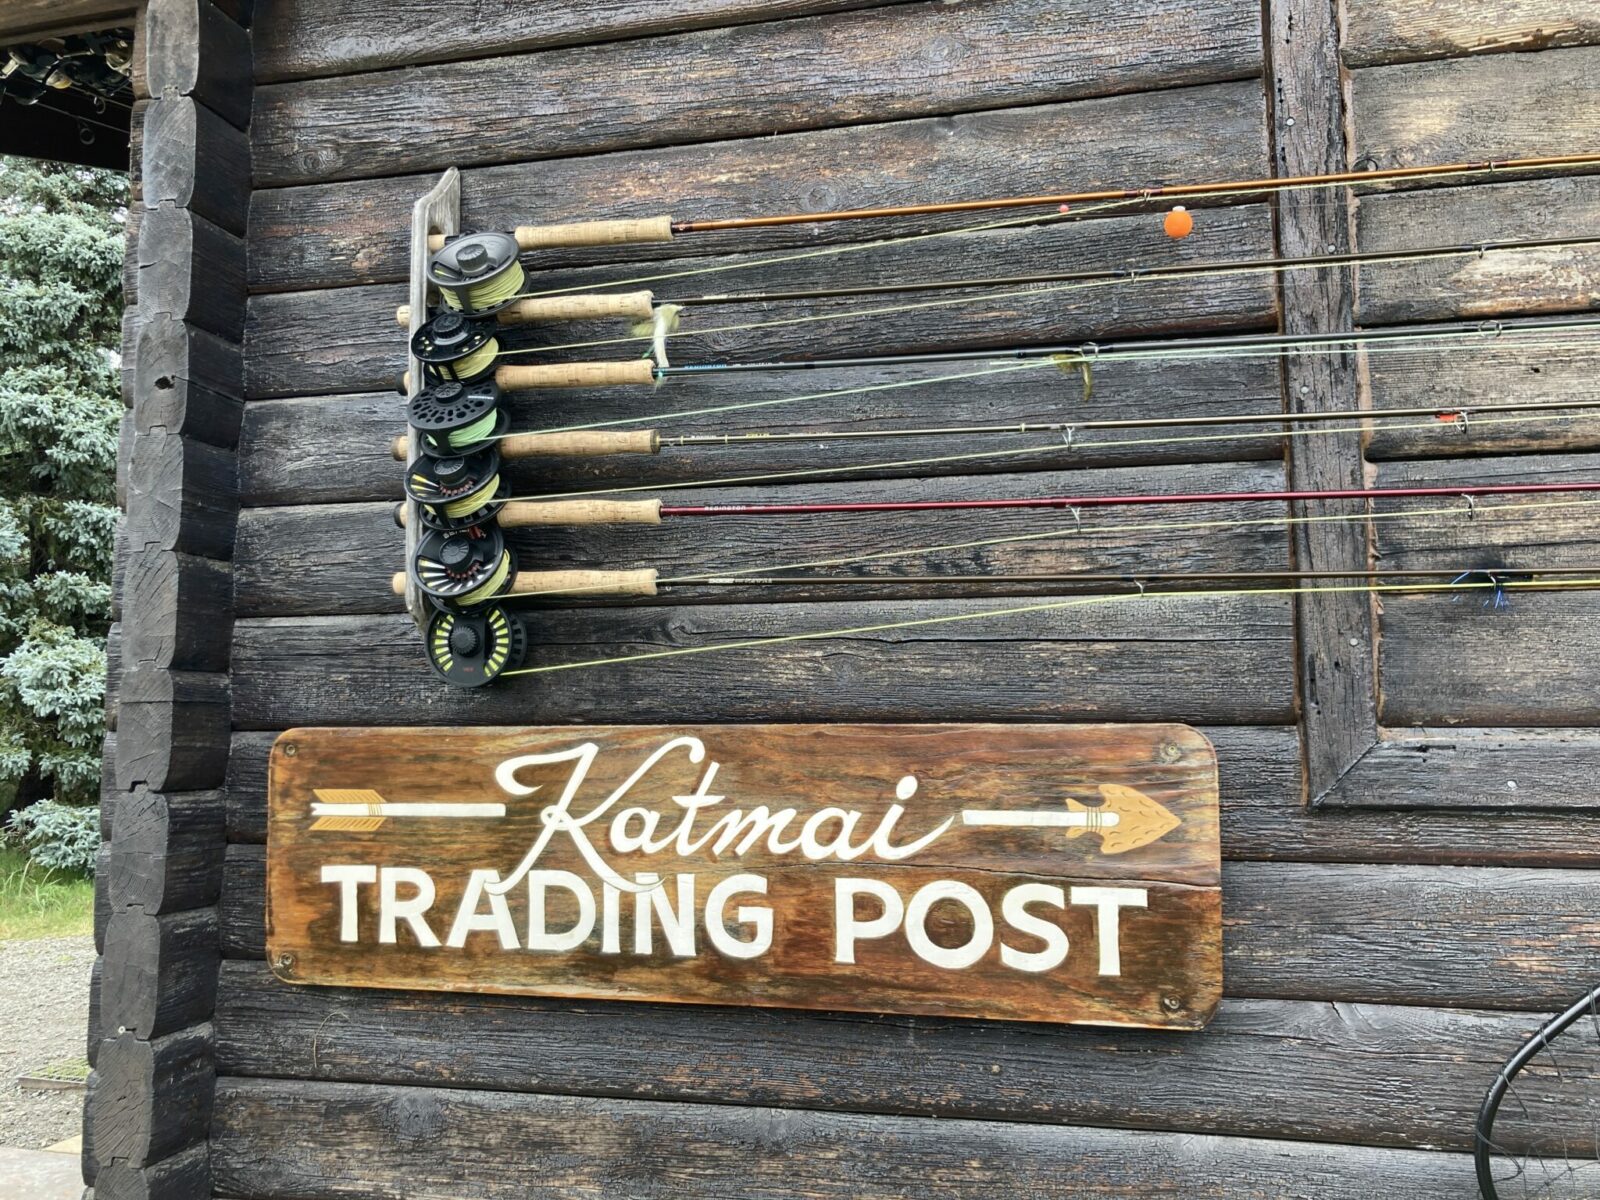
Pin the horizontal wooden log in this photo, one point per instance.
(187, 381)
(191, 158)
(172, 730)
(179, 612)
(168, 853)
(276, 576)
(152, 1099)
(113, 673)
(127, 374)
(1502, 770)
(1151, 660)
(160, 971)
(1500, 283)
(284, 442)
(89, 1165)
(816, 72)
(1300, 931)
(1265, 818)
(182, 496)
(1369, 1074)
(358, 348)
(311, 39)
(1453, 110)
(371, 1142)
(1514, 375)
(108, 784)
(191, 270)
(102, 896)
(191, 48)
(1379, 32)
(337, 234)
(25, 20)
(185, 1175)
(96, 1032)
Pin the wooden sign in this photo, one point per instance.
(1024, 872)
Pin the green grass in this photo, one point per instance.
(36, 903)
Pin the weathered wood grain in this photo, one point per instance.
(1515, 375)
(1297, 931)
(1453, 110)
(186, 382)
(191, 158)
(191, 270)
(285, 442)
(160, 971)
(815, 72)
(152, 1098)
(1558, 279)
(322, 235)
(344, 340)
(1264, 1068)
(167, 856)
(166, 591)
(172, 729)
(182, 496)
(1152, 660)
(337, 38)
(371, 1143)
(1264, 818)
(1379, 32)
(24, 20)
(1508, 771)
(326, 558)
(193, 48)
(1336, 675)
(185, 1174)
(1159, 965)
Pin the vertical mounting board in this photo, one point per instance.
(436, 211)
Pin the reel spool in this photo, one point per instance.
(455, 347)
(454, 418)
(458, 490)
(477, 274)
(472, 649)
(459, 569)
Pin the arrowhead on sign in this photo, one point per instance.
(1140, 820)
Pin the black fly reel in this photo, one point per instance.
(460, 569)
(478, 273)
(451, 346)
(453, 418)
(471, 649)
(456, 491)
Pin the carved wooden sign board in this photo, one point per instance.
(1065, 873)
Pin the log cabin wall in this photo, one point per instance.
(1410, 824)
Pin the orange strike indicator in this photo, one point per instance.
(1178, 223)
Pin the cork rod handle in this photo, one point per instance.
(535, 310)
(585, 233)
(639, 582)
(521, 514)
(581, 443)
(577, 375)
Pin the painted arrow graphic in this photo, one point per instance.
(360, 810)
(1125, 821)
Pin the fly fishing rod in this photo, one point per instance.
(665, 228)
(462, 344)
(471, 647)
(471, 565)
(458, 416)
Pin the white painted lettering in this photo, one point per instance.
(349, 877)
(952, 958)
(539, 935)
(847, 929)
(677, 924)
(1108, 903)
(758, 918)
(469, 919)
(1014, 908)
(392, 909)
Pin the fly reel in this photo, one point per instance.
(455, 347)
(477, 274)
(462, 568)
(454, 418)
(472, 649)
(457, 490)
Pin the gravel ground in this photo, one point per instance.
(45, 986)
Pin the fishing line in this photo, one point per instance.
(1054, 606)
(1054, 446)
(1079, 527)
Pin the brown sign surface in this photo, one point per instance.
(1023, 872)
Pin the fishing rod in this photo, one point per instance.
(454, 416)
(471, 565)
(456, 346)
(665, 228)
(471, 648)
